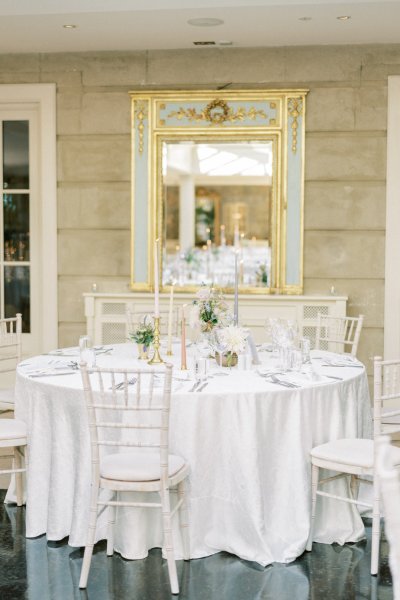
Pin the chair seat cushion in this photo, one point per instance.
(142, 464)
(394, 420)
(357, 452)
(11, 429)
(7, 398)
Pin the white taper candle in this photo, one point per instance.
(156, 281)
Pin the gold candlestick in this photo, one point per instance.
(156, 358)
(183, 340)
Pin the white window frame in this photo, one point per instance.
(42, 98)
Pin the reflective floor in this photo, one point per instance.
(35, 569)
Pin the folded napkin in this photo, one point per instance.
(51, 372)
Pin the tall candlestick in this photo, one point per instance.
(236, 297)
(223, 239)
(236, 235)
(171, 306)
(183, 340)
(208, 259)
(156, 281)
(241, 271)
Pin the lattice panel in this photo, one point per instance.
(113, 333)
(310, 332)
(113, 308)
(311, 312)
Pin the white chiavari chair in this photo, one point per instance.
(338, 334)
(10, 356)
(128, 409)
(13, 436)
(355, 459)
(389, 479)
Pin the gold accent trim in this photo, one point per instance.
(277, 132)
(156, 358)
(217, 112)
(141, 116)
(295, 109)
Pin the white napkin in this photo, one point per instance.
(254, 354)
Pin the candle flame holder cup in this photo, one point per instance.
(156, 358)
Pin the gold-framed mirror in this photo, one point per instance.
(214, 175)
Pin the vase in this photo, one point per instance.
(143, 351)
(229, 359)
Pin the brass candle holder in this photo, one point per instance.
(156, 358)
(183, 343)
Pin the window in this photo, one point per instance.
(15, 263)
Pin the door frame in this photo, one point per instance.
(42, 97)
(392, 238)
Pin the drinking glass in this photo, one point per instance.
(86, 351)
(305, 345)
(220, 344)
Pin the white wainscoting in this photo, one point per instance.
(107, 322)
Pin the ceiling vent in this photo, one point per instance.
(204, 43)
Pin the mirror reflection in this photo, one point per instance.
(217, 204)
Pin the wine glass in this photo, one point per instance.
(220, 344)
(86, 351)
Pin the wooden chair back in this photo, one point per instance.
(389, 481)
(10, 343)
(338, 334)
(128, 408)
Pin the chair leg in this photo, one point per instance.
(183, 520)
(110, 527)
(376, 528)
(87, 557)
(314, 486)
(354, 486)
(19, 487)
(168, 543)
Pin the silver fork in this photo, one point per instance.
(120, 385)
(195, 385)
(275, 379)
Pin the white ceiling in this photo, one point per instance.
(37, 25)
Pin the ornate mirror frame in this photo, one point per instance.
(223, 116)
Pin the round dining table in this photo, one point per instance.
(246, 436)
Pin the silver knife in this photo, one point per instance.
(196, 384)
(201, 388)
(52, 374)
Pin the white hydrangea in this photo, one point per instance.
(233, 338)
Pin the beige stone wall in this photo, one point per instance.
(345, 162)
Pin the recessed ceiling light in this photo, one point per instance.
(204, 43)
(205, 22)
(305, 18)
(344, 18)
(70, 26)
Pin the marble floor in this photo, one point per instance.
(35, 569)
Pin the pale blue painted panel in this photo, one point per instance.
(293, 214)
(188, 113)
(141, 188)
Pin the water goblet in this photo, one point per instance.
(86, 351)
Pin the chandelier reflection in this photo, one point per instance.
(217, 206)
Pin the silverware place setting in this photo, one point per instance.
(121, 384)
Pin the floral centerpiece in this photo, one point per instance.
(209, 310)
(143, 336)
(231, 342)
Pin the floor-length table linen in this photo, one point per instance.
(247, 442)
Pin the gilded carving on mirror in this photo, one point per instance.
(217, 174)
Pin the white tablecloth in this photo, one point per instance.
(247, 442)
